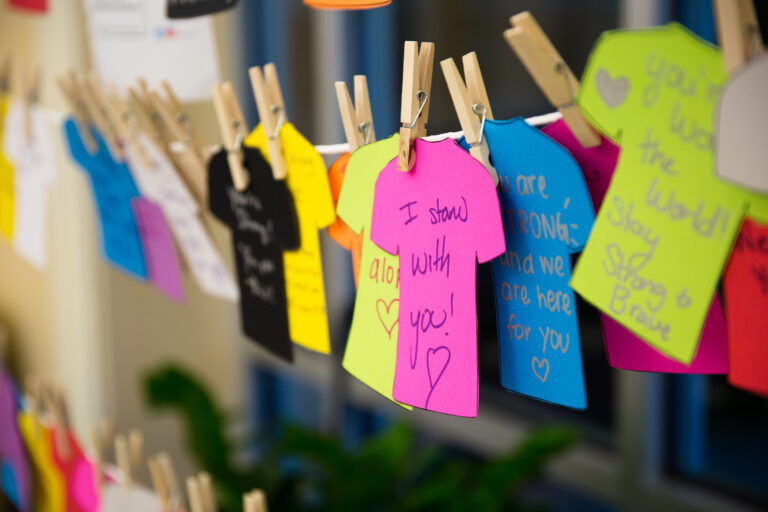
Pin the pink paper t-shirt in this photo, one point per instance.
(625, 350)
(441, 217)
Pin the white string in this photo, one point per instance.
(337, 149)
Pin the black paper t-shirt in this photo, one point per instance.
(263, 223)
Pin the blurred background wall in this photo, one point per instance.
(672, 443)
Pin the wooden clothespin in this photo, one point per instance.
(194, 495)
(255, 501)
(175, 494)
(127, 122)
(357, 118)
(136, 454)
(184, 120)
(473, 108)
(414, 102)
(60, 416)
(738, 31)
(206, 492)
(551, 73)
(123, 458)
(158, 482)
(271, 108)
(5, 74)
(182, 152)
(233, 131)
(89, 95)
(141, 112)
(74, 95)
(29, 97)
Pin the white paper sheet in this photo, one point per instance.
(34, 164)
(161, 183)
(134, 38)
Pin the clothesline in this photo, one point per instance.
(337, 149)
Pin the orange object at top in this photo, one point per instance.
(339, 231)
(347, 4)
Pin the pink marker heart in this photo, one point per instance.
(539, 364)
(437, 361)
(387, 317)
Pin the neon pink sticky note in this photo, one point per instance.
(625, 350)
(81, 495)
(82, 485)
(159, 252)
(441, 217)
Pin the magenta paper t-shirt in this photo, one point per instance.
(441, 217)
(625, 350)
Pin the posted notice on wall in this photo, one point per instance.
(135, 38)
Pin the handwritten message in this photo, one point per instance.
(624, 349)
(158, 180)
(440, 218)
(308, 184)
(264, 225)
(372, 343)
(547, 216)
(662, 237)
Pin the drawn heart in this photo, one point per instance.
(437, 361)
(538, 365)
(612, 90)
(387, 315)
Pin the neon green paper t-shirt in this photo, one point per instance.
(372, 344)
(667, 224)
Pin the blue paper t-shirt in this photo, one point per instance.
(547, 215)
(113, 188)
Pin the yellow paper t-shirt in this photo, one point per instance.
(308, 183)
(6, 179)
(48, 482)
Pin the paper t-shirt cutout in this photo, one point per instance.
(624, 349)
(194, 8)
(78, 497)
(372, 343)
(339, 231)
(34, 166)
(746, 302)
(6, 178)
(159, 253)
(15, 477)
(547, 215)
(113, 189)
(48, 490)
(159, 181)
(742, 121)
(662, 237)
(441, 217)
(264, 225)
(311, 193)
